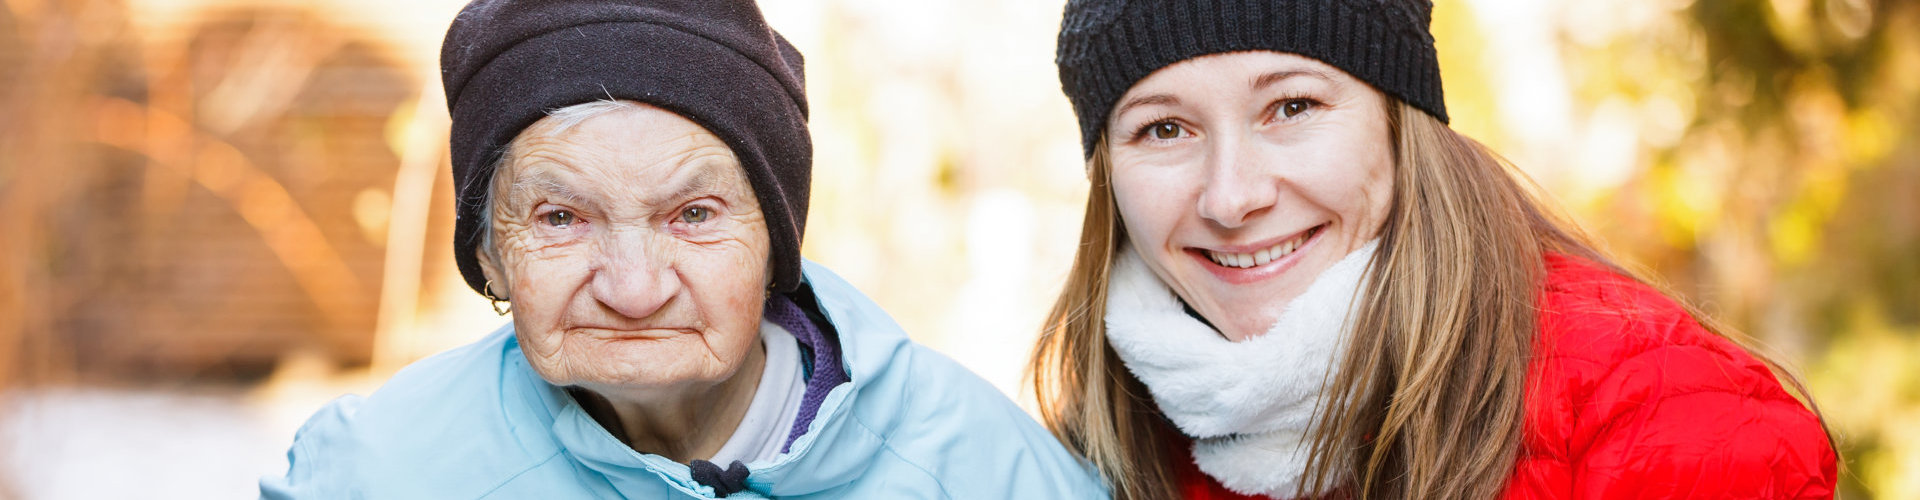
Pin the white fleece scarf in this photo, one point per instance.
(1247, 404)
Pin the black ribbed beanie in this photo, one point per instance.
(1106, 46)
(506, 63)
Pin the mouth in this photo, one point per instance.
(611, 333)
(1264, 255)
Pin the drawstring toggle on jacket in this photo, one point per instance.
(723, 482)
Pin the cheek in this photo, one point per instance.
(1151, 201)
(1377, 188)
(1354, 181)
(1374, 185)
(728, 279)
(544, 281)
(725, 274)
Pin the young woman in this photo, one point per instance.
(1296, 281)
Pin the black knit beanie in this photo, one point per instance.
(506, 63)
(1106, 46)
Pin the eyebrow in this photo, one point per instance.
(704, 178)
(1269, 79)
(1145, 100)
(692, 179)
(1258, 82)
(544, 181)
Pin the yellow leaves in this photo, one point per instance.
(1461, 47)
(1839, 23)
(1832, 143)
(1686, 201)
(1870, 136)
(1872, 395)
(1794, 235)
(1792, 23)
(1851, 18)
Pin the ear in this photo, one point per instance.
(487, 253)
(498, 284)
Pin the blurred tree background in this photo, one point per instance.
(217, 214)
(1776, 183)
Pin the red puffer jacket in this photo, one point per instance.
(1629, 397)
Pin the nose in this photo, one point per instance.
(1238, 185)
(633, 276)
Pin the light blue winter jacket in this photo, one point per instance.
(477, 422)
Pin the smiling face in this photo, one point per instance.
(633, 250)
(1239, 177)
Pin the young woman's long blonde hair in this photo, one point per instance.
(1429, 403)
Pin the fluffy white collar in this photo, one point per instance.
(1247, 404)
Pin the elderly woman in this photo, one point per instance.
(1296, 281)
(633, 182)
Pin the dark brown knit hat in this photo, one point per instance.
(506, 63)
(1106, 46)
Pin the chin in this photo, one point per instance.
(636, 365)
(637, 385)
(1237, 332)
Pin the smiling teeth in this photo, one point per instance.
(1262, 257)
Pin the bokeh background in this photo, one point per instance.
(215, 215)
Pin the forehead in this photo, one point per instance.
(632, 149)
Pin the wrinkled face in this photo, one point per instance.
(633, 250)
(1241, 176)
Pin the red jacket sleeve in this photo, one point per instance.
(1697, 418)
(1630, 397)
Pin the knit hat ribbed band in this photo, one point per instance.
(506, 63)
(1106, 46)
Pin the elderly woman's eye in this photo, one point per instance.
(561, 218)
(695, 215)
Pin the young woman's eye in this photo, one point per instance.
(695, 215)
(1162, 130)
(1294, 107)
(1167, 130)
(561, 218)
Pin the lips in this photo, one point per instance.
(611, 332)
(1262, 256)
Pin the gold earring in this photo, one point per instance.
(487, 291)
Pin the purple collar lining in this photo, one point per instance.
(825, 373)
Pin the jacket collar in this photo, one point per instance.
(867, 339)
